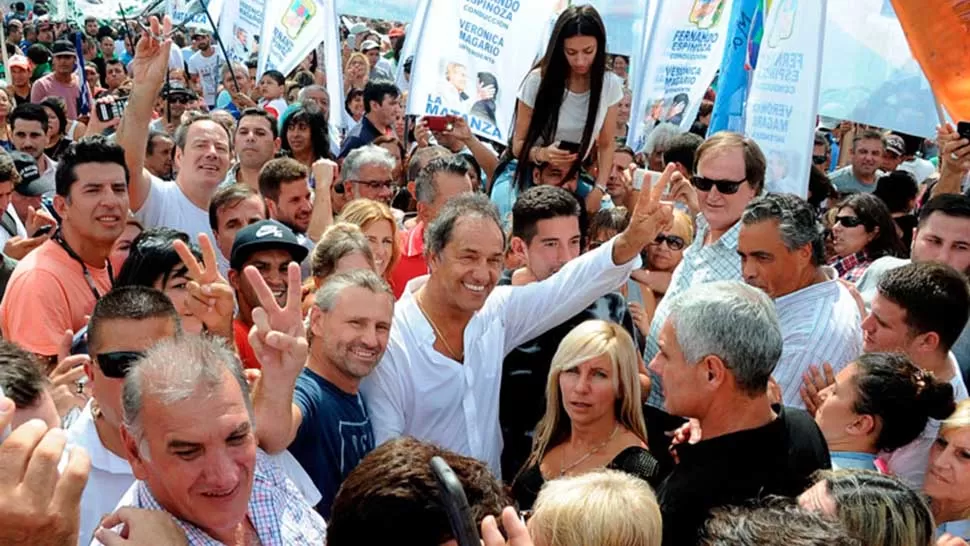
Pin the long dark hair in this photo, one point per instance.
(153, 258)
(319, 132)
(874, 213)
(554, 70)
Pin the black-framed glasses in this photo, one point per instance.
(377, 185)
(849, 221)
(818, 159)
(116, 364)
(179, 99)
(673, 241)
(727, 187)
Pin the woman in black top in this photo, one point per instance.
(593, 414)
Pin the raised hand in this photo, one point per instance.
(517, 531)
(813, 383)
(140, 528)
(682, 190)
(150, 64)
(278, 337)
(66, 390)
(17, 247)
(38, 504)
(210, 297)
(649, 218)
(37, 219)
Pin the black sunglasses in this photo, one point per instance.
(727, 187)
(673, 241)
(849, 221)
(818, 159)
(117, 363)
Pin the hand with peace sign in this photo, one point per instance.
(278, 337)
(150, 65)
(211, 298)
(650, 217)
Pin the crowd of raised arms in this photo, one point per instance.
(225, 323)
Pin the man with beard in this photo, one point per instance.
(62, 82)
(204, 66)
(329, 428)
(868, 149)
(269, 247)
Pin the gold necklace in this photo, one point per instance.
(458, 356)
(563, 468)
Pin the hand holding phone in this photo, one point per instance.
(568, 146)
(963, 129)
(438, 124)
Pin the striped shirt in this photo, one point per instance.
(819, 323)
(718, 261)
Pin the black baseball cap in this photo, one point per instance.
(31, 184)
(63, 47)
(172, 89)
(265, 235)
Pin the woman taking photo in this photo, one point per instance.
(863, 232)
(356, 71)
(880, 402)
(593, 413)
(568, 104)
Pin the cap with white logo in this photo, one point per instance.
(265, 235)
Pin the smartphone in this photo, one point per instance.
(644, 179)
(456, 504)
(108, 111)
(6, 430)
(439, 123)
(567, 146)
(43, 230)
(963, 129)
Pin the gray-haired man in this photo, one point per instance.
(189, 434)
(368, 172)
(716, 370)
(783, 253)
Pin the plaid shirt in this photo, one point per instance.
(276, 509)
(851, 268)
(701, 264)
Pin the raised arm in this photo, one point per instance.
(148, 70)
(324, 173)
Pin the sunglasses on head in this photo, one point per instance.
(117, 363)
(727, 187)
(849, 221)
(673, 241)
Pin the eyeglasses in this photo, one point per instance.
(117, 363)
(673, 241)
(377, 185)
(178, 99)
(818, 159)
(727, 187)
(849, 221)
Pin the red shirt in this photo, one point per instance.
(246, 355)
(412, 264)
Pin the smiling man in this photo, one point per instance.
(189, 435)
(269, 246)
(233, 207)
(60, 281)
(868, 149)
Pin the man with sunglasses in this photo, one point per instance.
(821, 152)
(783, 253)
(124, 324)
(868, 149)
(171, 104)
(546, 233)
(729, 172)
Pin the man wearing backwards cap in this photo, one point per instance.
(62, 82)
(269, 246)
(893, 156)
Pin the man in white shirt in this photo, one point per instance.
(439, 379)
(202, 155)
(920, 309)
(782, 252)
(861, 176)
(204, 66)
(729, 173)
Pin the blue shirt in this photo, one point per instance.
(358, 137)
(334, 435)
(853, 460)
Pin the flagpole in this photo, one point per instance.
(6, 65)
(222, 47)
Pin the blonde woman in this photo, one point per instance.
(948, 474)
(356, 72)
(343, 247)
(593, 415)
(603, 507)
(377, 222)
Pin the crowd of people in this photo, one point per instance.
(226, 323)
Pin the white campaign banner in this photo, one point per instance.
(291, 30)
(239, 26)
(681, 54)
(190, 12)
(411, 45)
(471, 57)
(781, 107)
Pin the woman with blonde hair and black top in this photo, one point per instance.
(593, 413)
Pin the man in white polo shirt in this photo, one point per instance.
(439, 379)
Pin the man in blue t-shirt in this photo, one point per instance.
(330, 429)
